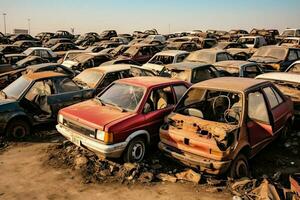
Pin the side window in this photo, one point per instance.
(124, 74)
(66, 85)
(292, 55)
(221, 57)
(180, 58)
(257, 109)
(179, 91)
(109, 78)
(160, 98)
(202, 74)
(38, 90)
(44, 54)
(251, 71)
(273, 97)
(88, 64)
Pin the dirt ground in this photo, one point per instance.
(25, 176)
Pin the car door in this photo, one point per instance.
(260, 131)
(67, 93)
(277, 107)
(160, 102)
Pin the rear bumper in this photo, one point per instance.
(203, 164)
(106, 151)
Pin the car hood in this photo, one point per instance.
(154, 67)
(264, 60)
(92, 114)
(69, 63)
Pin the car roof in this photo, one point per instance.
(186, 65)
(43, 65)
(147, 81)
(291, 38)
(230, 83)
(232, 63)
(111, 68)
(280, 76)
(40, 48)
(171, 52)
(42, 75)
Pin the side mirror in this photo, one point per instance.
(147, 108)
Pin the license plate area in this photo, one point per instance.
(76, 140)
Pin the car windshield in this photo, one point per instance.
(123, 96)
(246, 40)
(16, 88)
(288, 33)
(162, 59)
(212, 105)
(89, 78)
(80, 58)
(177, 74)
(200, 56)
(275, 53)
(232, 70)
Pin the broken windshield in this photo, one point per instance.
(200, 56)
(89, 77)
(212, 105)
(126, 97)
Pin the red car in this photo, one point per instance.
(140, 53)
(124, 118)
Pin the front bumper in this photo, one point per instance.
(106, 151)
(203, 164)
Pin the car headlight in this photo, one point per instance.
(104, 136)
(100, 135)
(60, 118)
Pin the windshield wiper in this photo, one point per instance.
(116, 106)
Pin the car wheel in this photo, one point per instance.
(239, 167)
(135, 151)
(17, 129)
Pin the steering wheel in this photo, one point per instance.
(231, 119)
(159, 63)
(215, 107)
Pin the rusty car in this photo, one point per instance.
(140, 53)
(35, 99)
(124, 118)
(191, 72)
(239, 68)
(208, 56)
(276, 57)
(219, 124)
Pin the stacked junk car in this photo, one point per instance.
(184, 114)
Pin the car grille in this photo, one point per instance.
(79, 129)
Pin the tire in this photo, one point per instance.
(135, 151)
(239, 167)
(17, 129)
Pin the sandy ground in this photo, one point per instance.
(25, 176)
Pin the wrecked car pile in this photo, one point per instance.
(212, 107)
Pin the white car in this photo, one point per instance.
(252, 41)
(160, 59)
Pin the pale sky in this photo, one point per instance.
(127, 16)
